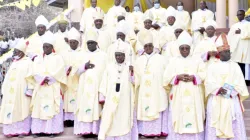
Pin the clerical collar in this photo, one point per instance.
(149, 55)
(243, 21)
(93, 51)
(212, 39)
(77, 49)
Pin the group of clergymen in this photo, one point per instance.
(130, 74)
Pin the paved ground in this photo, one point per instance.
(68, 133)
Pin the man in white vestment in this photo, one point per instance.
(152, 99)
(159, 15)
(135, 19)
(206, 49)
(113, 12)
(88, 108)
(61, 35)
(72, 59)
(87, 20)
(239, 40)
(121, 34)
(182, 15)
(35, 41)
(199, 18)
(118, 115)
(225, 91)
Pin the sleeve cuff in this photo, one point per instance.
(205, 57)
(29, 92)
(67, 70)
(52, 80)
(132, 79)
(140, 52)
(81, 70)
(197, 80)
(165, 46)
(101, 98)
(175, 81)
(42, 83)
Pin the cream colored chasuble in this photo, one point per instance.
(15, 104)
(152, 98)
(186, 99)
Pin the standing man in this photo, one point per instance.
(72, 59)
(225, 91)
(167, 32)
(136, 19)
(35, 42)
(62, 35)
(148, 20)
(239, 40)
(184, 76)
(182, 15)
(206, 49)
(87, 20)
(47, 104)
(88, 108)
(121, 34)
(16, 90)
(105, 38)
(112, 15)
(199, 18)
(159, 15)
(118, 117)
(152, 98)
(171, 49)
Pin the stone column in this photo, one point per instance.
(77, 5)
(221, 13)
(233, 8)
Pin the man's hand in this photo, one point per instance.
(191, 78)
(136, 31)
(182, 77)
(222, 91)
(46, 81)
(212, 53)
(88, 65)
(202, 30)
(238, 31)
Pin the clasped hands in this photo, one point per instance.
(222, 91)
(185, 78)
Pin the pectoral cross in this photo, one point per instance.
(203, 19)
(157, 18)
(186, 69)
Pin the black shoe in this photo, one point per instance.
(52, 136)
(35, 135)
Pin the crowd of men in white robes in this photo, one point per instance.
(123, 74)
